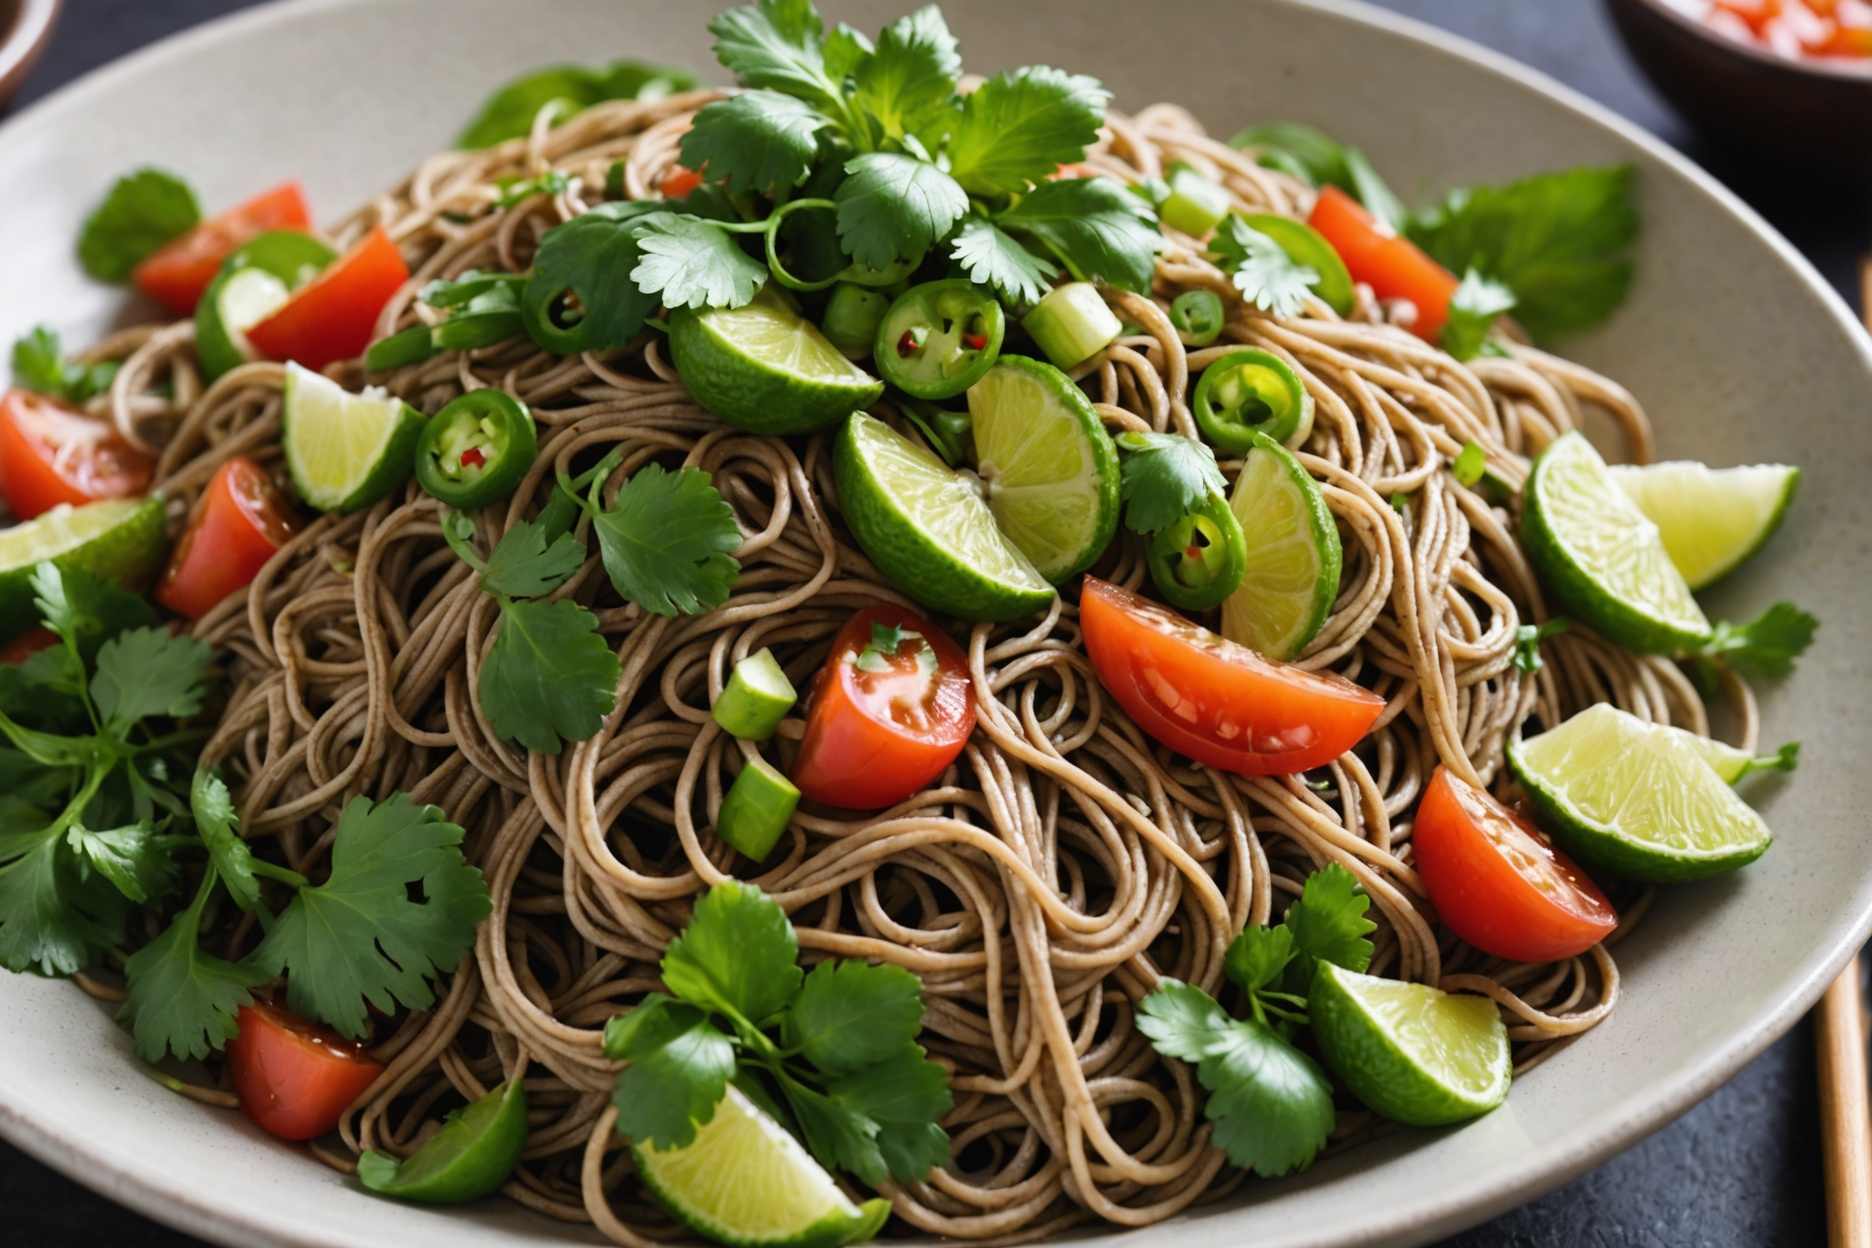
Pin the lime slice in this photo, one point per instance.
(345, 451)
(1050, 468)
(1416, 1054)
(120, 539)
(470, 1157)
(1635, 799)
(1711, 519)
(1293, 554)
(744, 1180)
(1601, 557)
(234, 304)
(765, 368)
(928, 528)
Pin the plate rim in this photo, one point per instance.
(1454, 1206)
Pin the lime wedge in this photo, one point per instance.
(1711, 519)
(1635, 798)
(1416, 1054)
(928, 528)
(1293, 554)
(470, 1157)
(345, 451)
(1601, 557)
(766, 368)
(119, 539)
(1050, 468)
(745, 1181)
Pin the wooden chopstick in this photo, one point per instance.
(1840, 1037)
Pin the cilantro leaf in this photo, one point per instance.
(215, 822)
(692, 263)
(39, 365)
(1472, 312)
(586, 257)
(129, 857)
(1180, 1020)
(838, 1135)
(738, 955)
(1258, 955)
(180, 1000)
(852, 1014)
(844, 49)
(1560, 241)
(1324, 161)
(1165, 477)
(906, 1095)
(1097, 227)
(993, 257)
(525, 565)
(549, 675)
(907, 85)
(1372, 191)
(755, 141)
(1019, 126)
(893, 207)
(1261, 268)
(54, 919)
(509, 112)
(85, 609)
(680, 1065)
(1768, 644)
(147, 672)
(776, 44)
(1527, 642)
(360, 937)
(665, 541)
(1328, 921)
(142, 211)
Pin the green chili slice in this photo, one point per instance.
(1306, 246)
(1200, 559)
(939, 338)
(475, 450)
(406, 346)
(1245, 391)
(1198, 316)
(852, 316)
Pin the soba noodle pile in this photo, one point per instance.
(1041, 887)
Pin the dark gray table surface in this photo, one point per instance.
(1742, 1168)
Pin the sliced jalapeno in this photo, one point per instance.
(1306, 246)
(1245, 391)
(475, 450)
(1200, 559)
(939, 338)
(1198, 316)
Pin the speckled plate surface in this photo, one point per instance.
(1730, 339)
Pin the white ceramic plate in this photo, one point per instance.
(1740, 351)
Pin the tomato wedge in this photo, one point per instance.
(331, 317)
(891, 708)
(51, 454)
(1215, 701)
(176, 274)
(1393, 266)
(239, 523)
(294, 1078)
(1498, 882)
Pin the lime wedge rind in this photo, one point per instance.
(120, 540)
(765, 368)
(1294, 555)
(345, 451)
(1711, 519)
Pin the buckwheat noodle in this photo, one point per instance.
(1060, 867)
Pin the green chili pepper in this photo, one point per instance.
(1307, 247)
(470, 1157)
(852, 316)
(1198, 316)
(406, 346)
(475, 450)
(1200, 559)
(1249, 390)
(939, 338)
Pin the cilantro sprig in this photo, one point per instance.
(832, 1053)
(1270, 1104)
(39, 364)
(1261, 269)
(1165, 477)
(142, 210)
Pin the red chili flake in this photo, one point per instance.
(473, 458)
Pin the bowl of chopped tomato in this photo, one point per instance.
(25, 28)
(1788, 82)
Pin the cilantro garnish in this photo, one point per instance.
(1528, 637)
(40, 365)
(1166, 477)
(1472, 312)
(1270, 1104)
(887, 640)
(142, 211)
(510, 111)
(1768, 644)
(832, 1054)
(666, 539)
(1261, 268)
(993, 257)
(1018, 127)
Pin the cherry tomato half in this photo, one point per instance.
(239, 523)
(27, 644)
(50, 454)
(1393, 266)
(294, 1078)
(891, 708)
(331, 317)
(176, 274)
(1215, 701)
(678, 182)
(1498, 882)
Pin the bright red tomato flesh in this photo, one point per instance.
(1393, 266)
(331, 317)
(239, 523)
(295, 1079)
(1498, 882)
(882, 725)
(177, 273)
(50, 454)
(679, 183)
(1215, 701)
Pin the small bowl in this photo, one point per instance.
(25, 28)
(1809, 114)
